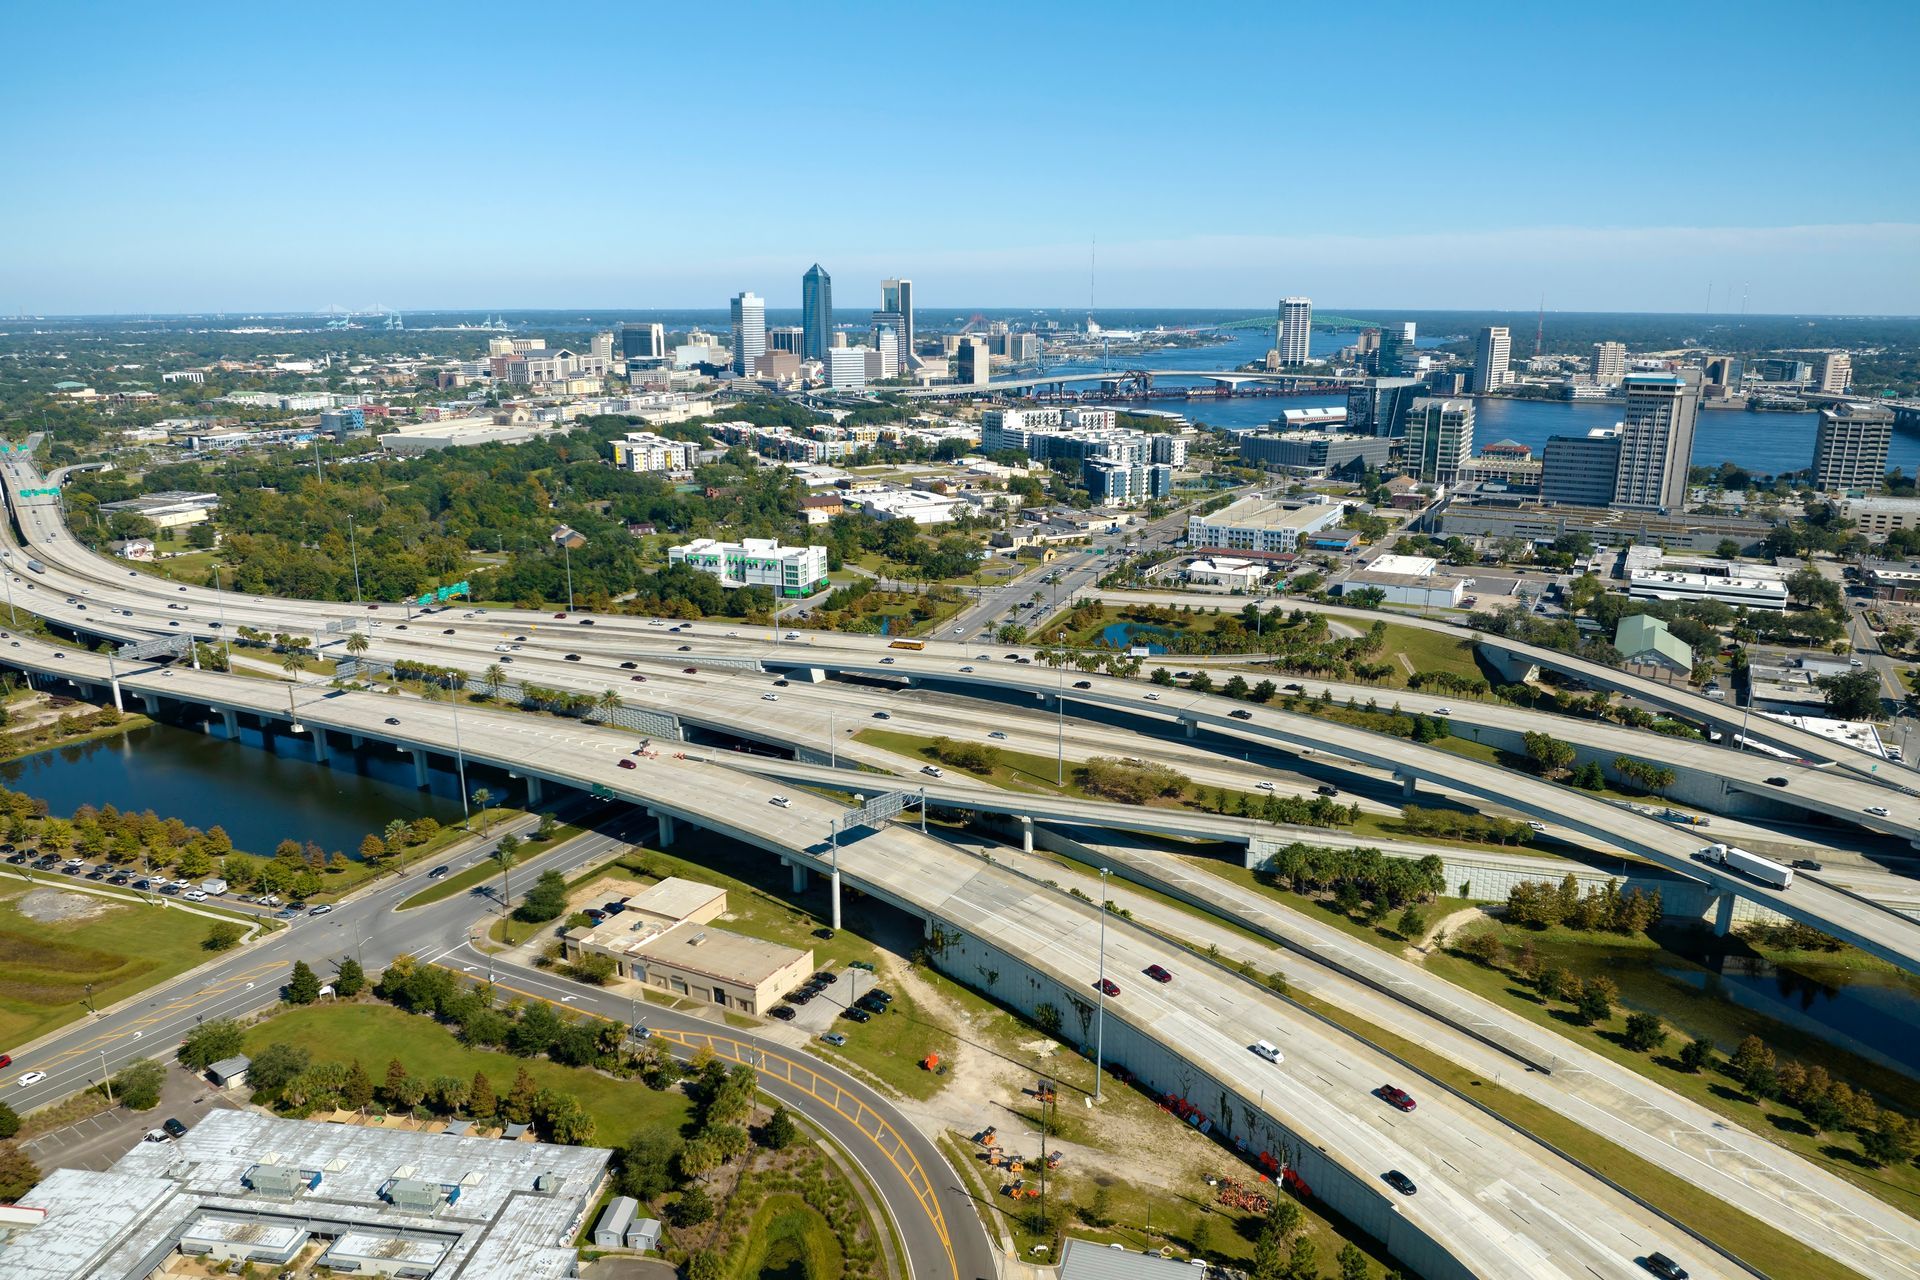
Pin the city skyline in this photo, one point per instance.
(285, 167)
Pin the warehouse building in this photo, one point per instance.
(244, 1189)
(1262, 524)
(1408, 580)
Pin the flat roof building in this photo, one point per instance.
(247, 1188)
(1408, 580)
(1752, 593)
(168, 508)
(1315, 452)
(1656, 439)
(1581, 470)
(790, 572)
(1880, 516)
(1261, 524)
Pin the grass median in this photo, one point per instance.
(461, 881)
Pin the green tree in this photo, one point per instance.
(209, 1042)
(705, 1264)
(275, 1067)
(1696, 1055)
(1200, 1239)
(138, 1086)
(547, 900)
(1353, 1263)
(223, 935)
(518, 1107)
(779, 1131)
(304, 986)
(481, 1103)
(1755, 1067)
(1304, 1261)
(1851, 695)
(1645, 1032)
(351, 979)
(693, 1207)
(647, 1163)
(18, 1173)
(9, 1121)
(357, 1092)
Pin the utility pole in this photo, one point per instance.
(105, 1078)
(1100, 1013)
(353, 546)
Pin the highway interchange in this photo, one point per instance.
(1490, 1208)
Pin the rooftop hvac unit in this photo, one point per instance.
(421, 1197)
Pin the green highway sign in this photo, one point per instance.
(440, 595)
(600, 791)
(51, 491)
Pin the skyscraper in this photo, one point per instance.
(643, 341)
(896, 297)
(1296, 325)
(1396, 349)
(1850, 449)
(1656, 439)
(749, 331)
(1581, 470)
(1836, 372)
(1490, 357)
(1439, 438)
(970, 362)
(816, 312)
(1378, 406)
(1609, 363)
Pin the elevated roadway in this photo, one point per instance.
(1492, 1204)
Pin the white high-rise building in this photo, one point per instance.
(1439, 438)
(1836, 373)
(1296, 324)
(1490, 357)
(1656, 440)
(1609, 364)
(749, 332)
(887, 342)
(847, 368)
(896, 297)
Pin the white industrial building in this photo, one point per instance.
(1221, 571)
(1409, 580)
(1752, 593)
(756, 562)
(242, 1188)
(1262, 524)
(906, 504)
(167, 509)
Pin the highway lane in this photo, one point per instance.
(1499, 1203)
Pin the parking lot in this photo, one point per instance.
(822, 1013)
(96, 1142)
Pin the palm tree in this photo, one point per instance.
(493, 677)
(505, 853)
(481, 799)
(357, 643)
(291, 665)
(608, 703)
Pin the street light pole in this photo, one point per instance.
(459, 757)
(105, 1078)
(567, 553)
(7, 580)
(353, 546)
(1060, 706)
(1100, 1014)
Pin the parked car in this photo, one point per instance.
(856, 1015)
(174, 1127)
(783, 1012)
(834, 1038)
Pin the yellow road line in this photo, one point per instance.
(884, 1137)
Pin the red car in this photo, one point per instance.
(1395, 1096)
(1108, 987)
(627, 764)
(689, 671)
(1158, 974)
(560, 615)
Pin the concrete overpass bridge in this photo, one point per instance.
(1027, 947)
(1129, 382)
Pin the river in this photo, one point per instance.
(1763, 443)
(262, 791)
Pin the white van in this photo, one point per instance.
(1265, 1050)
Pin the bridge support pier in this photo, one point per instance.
(151, 702)
(320, 752)
(118, 705)
(799, 874)
(1408, 785)
(356, 741)
(419, 768)
(1192, 727)
(665, 823)
(536, 791)
(231, 720)
(1026, 834)
(1723, 915)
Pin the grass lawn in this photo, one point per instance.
(45, 967)
(47, 737)
(376, 1033)
(1431, 651)
(1646, 974)
(1785, 1257)
(195, 567)
(461, 881)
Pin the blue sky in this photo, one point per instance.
(412, 154)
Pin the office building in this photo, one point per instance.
(1378, 406)
(896, 298)
(1783, 369)
(749, 331)
(1122, 482)
(1439, 439)
(1656, 440)
(1295, 329)
(1023, 348)
(1609, 363)
(1836, 373)
(886, 353)
(847, 368)
(646, 342)
(790, 338)
(756, 562)
(337, 422)
(251, 1193)
(1407, 580)
(1540, 525)
(1877, 517)
(664, 937)
(1850, 447)
(1395, 356)
(1581, 470)
(1316, 453)
(816, 312)
(971, 364)
(1749, 593)
(1262, 525)
(644, 451)
(1490, 357)
(1723, 374)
